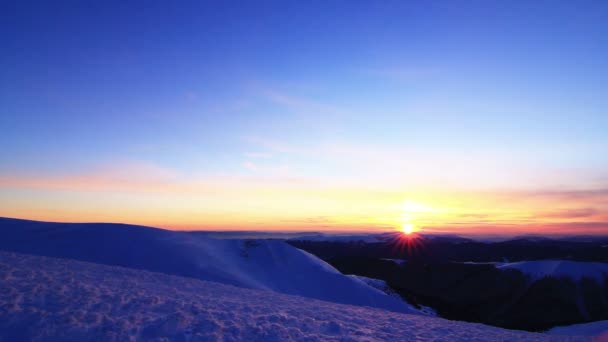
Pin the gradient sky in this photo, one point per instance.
(486, 117)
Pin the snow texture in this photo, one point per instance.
(46, 299)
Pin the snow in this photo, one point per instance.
(377, 284)
(45, 299)
(385, 288)
(259, 264)
(598, 329)
(575, 270)
(396, 261)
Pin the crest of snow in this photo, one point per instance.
(377, 284)
(382, 286)
(575, 270)
(428, 311)
(260, 264)
(48, 299)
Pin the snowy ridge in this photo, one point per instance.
(260, 264)
(575, 270)
(45, 298)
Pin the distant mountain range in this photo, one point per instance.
(528, 283)
(455, 248)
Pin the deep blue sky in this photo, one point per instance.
(512, 94)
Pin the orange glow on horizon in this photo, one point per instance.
(251, 204)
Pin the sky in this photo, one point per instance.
(466, 117)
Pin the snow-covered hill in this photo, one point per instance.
(46, 299)
(559, 268)
(260, 264)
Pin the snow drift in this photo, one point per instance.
(47, 299)
(259, 264)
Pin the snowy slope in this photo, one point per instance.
(260, 264)
(559, 268)
(58, 299)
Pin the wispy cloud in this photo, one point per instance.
(120, 175)
(302, 105)
(570, 228)
(570, 213)
(132, 176)
(258, 155)
(402, 73)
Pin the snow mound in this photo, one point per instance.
(260, 264)
(598, 329)
(575, 270)
(397, 261)
(45, 298)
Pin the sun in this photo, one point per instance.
(407, 228)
